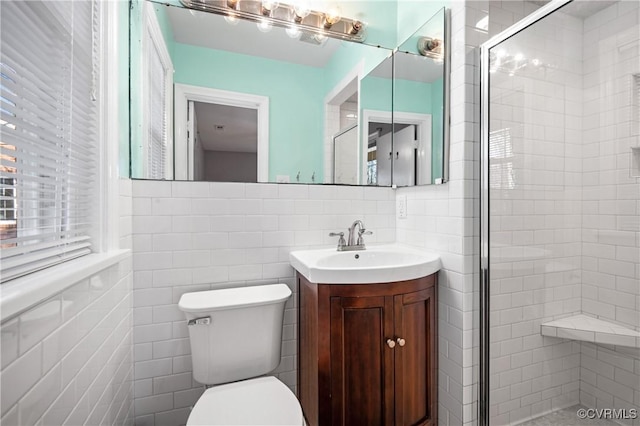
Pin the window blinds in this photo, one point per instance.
(158, 98)
(48, 132)
(157, 138)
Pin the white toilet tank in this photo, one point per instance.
(235, 333)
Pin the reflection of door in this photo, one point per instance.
(383, 157)
(198, 96)
(191, 139)
(346, 157)
(195, 149)
(404, 156)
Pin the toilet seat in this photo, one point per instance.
(261, 401)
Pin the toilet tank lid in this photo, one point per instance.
(230, 298)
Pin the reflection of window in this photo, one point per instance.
(48, 132)
(157, 100)
(501, 160)
(372, 167)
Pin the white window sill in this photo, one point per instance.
(22, 293)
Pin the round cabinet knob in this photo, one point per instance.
(401, 341)
(391, 343)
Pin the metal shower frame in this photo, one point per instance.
(484, 307)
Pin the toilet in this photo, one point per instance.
(236, 337)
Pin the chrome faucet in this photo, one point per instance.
(352, 235)
(352, 243)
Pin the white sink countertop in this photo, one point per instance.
(376, 264)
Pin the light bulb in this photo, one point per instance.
(264, 26)
(300, 11)
(269, 6)
(293, 31)
(332, 17)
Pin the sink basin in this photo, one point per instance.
(376, 264)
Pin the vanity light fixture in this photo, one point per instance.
(268, 13)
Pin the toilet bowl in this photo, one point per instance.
(262, 401)
(236, 337)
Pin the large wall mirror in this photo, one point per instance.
(421, 106)
(218, 99)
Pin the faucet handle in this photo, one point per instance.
(341, 241)
(362, 232)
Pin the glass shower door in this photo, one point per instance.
(562, 231)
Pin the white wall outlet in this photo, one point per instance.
(401, 208)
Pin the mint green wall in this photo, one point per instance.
(295, 102)
(412, 96)
(376, 94)
(437, 102)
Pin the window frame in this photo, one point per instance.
(21, 293)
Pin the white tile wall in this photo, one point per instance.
(536, 222)
(197, 236)
(81, 368)
(563, 231)
(69, 360)
(610, 234)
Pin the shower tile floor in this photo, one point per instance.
(567, 417)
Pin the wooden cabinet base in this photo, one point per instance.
(367, 353)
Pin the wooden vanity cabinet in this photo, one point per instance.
(367, 353)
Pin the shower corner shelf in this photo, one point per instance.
(589, 329)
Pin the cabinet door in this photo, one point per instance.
(361, 361)
(415, 358)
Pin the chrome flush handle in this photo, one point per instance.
(200, 321)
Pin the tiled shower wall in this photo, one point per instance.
(565, 234)
(535, 189)
(193, 236)
(610, 377)
(69, 360)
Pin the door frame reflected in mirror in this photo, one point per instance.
(421, 121)
(184, 161)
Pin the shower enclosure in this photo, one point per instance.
(560, 238)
